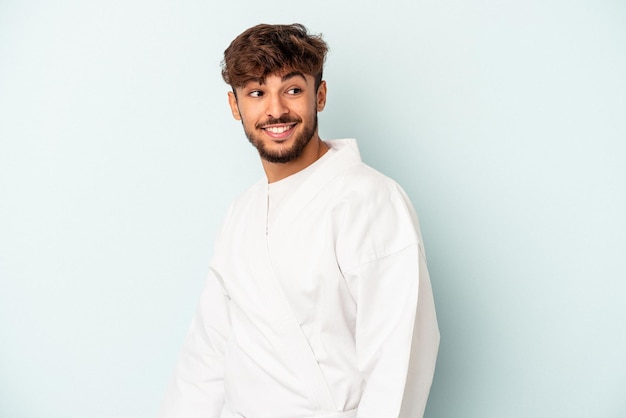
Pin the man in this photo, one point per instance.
(318, 303)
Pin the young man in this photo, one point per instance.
(318, 303)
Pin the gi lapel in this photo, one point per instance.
(267, 307)
(347, 154)
(278, 245)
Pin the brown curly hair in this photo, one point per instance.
(266, 49)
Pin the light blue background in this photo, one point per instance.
(505, 121)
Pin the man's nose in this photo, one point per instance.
(276, 106)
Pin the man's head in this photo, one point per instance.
(275, 72)
(265, 49)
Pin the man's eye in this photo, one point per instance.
(294, 90)
(255, 93)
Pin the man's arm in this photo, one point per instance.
(424, 348)
(397, 336)
(381, 254)
(197, 387)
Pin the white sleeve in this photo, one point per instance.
(424, 348)
(397, 336)
(197, 387)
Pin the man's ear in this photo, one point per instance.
(321, 96)
(234, 108)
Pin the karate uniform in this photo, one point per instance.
(327, 313)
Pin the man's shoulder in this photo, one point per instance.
(257, 187)
(376, 217)
(356, 175)
(361, 180)
(248, 197)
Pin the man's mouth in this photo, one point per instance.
(279, 131)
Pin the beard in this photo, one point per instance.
(283, 155)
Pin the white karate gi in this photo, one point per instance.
(328, 314)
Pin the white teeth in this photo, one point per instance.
(278, 129)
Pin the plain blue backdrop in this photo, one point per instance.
(504, 120)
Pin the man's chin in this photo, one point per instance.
(278, 158)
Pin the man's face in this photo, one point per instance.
(279, 116)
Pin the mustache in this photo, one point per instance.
(277, 121)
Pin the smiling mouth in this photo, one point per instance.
(279, 131)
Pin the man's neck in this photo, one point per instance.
(311, 153)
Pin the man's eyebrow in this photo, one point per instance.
(253, 80)
(292, 75)
(286, 77)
